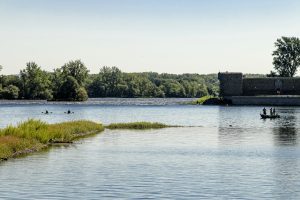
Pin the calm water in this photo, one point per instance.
(232, 154)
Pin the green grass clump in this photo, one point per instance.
(11, 145)
(202, 99)
(32, 135)
(137, 125)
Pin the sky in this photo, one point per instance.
(165, 36)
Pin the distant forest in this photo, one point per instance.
(72, 82)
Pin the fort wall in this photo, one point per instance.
(259, 91)
(231, 84)
(234, 84)
(271, 86)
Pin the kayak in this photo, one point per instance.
(269, 116)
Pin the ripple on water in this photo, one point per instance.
(251, 159)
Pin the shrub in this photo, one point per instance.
(10, 92)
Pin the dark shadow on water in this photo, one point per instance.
(286, 159)
(285, 130)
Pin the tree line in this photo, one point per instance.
(72, 82)
(65, 83)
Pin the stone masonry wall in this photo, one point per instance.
(233, 84)
(271, 86)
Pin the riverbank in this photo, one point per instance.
(35, 135)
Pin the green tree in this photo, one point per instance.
(96, 88)
(81, 94)
(69, 81)
(194, 89)
(35, 82)
(10, 92)
(9, 86)
(72, 91)
(57, 81)
(76, 69)
(133, 85)
(110, 82)
(173, 88)
(68, 90)
(286, 58)
(111, 78)
(11, 80)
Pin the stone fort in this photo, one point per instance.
(259, 91)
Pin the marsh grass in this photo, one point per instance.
(11, 145)
(33, 135)
(137, 125)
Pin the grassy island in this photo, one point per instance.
(34, 135)
(138, 125)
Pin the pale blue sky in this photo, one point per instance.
(174, 36)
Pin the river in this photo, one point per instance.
(230, 153)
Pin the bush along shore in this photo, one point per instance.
(210, 100)
(34, 135)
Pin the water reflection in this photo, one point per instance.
(271, 145)
(286, 159)
(285, 130)
(238, 125)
